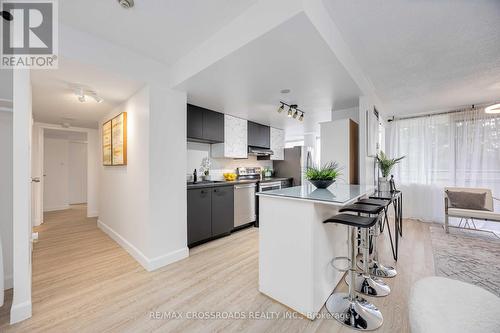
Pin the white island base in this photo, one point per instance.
(296, 247)
(295, 251)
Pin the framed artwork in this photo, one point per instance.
(372, 132)
(106, 144)
(119, 139)
(114, 141)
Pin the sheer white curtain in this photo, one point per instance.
(455, 149)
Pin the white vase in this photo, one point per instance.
(383, 184)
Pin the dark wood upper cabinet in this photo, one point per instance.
(194, 122)
(259, 135)
(204, 125)
(213, 126)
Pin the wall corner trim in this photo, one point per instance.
(20, 312)
(148, 264)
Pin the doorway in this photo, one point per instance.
(64, 169)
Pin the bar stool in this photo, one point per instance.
(348, 308)
(375, 267)
(364, 282)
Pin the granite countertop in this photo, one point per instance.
(204, 184)
(337, 194)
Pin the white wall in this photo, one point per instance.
(366, 163)
(93, 172)
(123, 207)
(143, 204)
(352, 113)
(22, 123)
(6, 194)
(168, 203)
(197, 151)
(77, 172)
(56, 181)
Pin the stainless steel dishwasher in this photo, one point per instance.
(244, 204)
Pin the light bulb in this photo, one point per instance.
(295, 114)
(290, 112)
(301, 118)
(281, 108)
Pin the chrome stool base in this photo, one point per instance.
(377, 269)
(356, 313)
(370, 286)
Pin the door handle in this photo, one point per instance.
(35, 179)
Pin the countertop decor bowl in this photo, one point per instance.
(322, 183)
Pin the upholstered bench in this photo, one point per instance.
(440, 305)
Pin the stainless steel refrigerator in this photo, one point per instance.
(296, 161)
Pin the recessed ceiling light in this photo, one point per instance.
(495, 108)
(285, 91)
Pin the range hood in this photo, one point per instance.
(255, 151)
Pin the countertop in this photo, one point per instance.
(337, 194)
(203, 184)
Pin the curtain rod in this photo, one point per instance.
(473, 107)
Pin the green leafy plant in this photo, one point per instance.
(386, 164)
(329, 171)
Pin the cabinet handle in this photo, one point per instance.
(202, 192)
(215, 190)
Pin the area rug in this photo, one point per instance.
(468, 256)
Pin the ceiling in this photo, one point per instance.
(55, 102)
(64, 134)
(163, 30)
(424, 55)
(293, 56)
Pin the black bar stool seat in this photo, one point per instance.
(361, 208)
(375, 202)
(353, 220)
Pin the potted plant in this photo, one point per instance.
(323, 176)
(386, 164)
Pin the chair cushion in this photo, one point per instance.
(467, 200)
(476, 214)
(439, 304)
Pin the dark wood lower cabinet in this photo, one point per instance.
(199, 211)
(210, 213)
(222, 210)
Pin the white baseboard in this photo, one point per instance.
(20, 312)
(147, 263)
(51, 209)
(168, 258)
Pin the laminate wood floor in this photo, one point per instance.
(84, 282)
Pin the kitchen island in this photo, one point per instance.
(296, 248)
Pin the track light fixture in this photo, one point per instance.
(82, 92)
(293, 111)
(281, 108)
